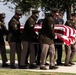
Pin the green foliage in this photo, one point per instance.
(27, 4)
(26, 72)
(63, 5)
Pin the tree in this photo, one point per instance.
(26, 5)
(63, 5)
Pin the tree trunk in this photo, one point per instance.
(68, 11)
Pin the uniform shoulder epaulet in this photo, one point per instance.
(31, 19)
(13, 19)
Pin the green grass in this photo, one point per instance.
(8, 56)
(24, 72)
(63, 55)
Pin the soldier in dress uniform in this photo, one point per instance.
(71, 53)
(3, 31)
(27, 38)
(14, 37)
(46, 37)
(58, 21)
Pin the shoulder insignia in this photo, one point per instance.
(16, 26)
(52, 25)
(32, 25)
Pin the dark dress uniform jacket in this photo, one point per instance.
(14, 30)
(28, 33)
(47, 32)
(3, 31)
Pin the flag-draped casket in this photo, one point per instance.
(65, 33)
(62, 32)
